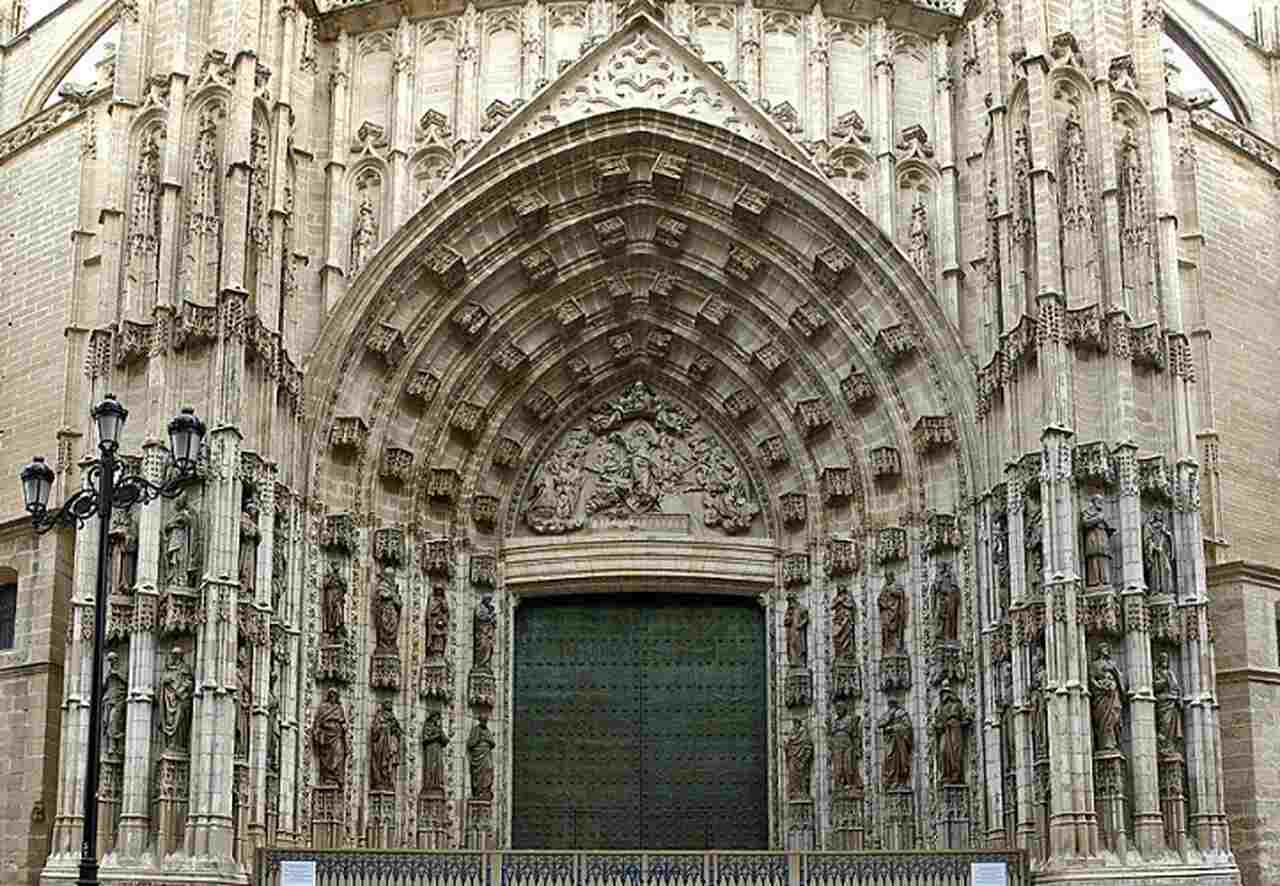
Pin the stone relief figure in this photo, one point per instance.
(329, 739)
(844, 614)
(899, 740)
(893, 616)
(438, 623)
(244, 701)
(798, 749)
(480, 745)
(333, 602)
(485, 633)
(1097, 543)
(434, 740)
(364, 233)
(919, 248)
(947, 594)
(387, 607)
(1038, 698)
(1168, 691)
(279, 569)
(1106, 688)
(177, 685)
(385, 747)
(1157, 554)
(952, 719)
(273, 732)
(846, 751)
(179, 543)
(124, 551)
(249, 538)
(1034, 541)
(115, 695)
(1000, 560)
(796, 624)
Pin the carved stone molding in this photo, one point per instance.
(423, 386)
(471, 319)
(669, 233)
(612, 174)
(668, 174)
(836, 484)
(809, 319)
(397, 464)
(349, 434)
(894, 344)
(830, 266)
(448, 266)
(812, 415)
(530, 209)
(891, 544)
(742, 264)
(794, 507)
(885, 463)
(751, 205)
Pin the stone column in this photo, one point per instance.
(882, 139)
(402, 124)
(333, 274)
(948, 217)
(533, 43)
(817, 98)
(749, 49)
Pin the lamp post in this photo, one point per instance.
(105, 488)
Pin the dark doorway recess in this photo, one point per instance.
(640, 722)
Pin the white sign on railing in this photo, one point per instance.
(989, 873)
(297, 873)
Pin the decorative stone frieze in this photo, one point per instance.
(741, 264)
(941, 533)
(808, 319)
(349, 434)
(437, 557)
(774, 451)
(885, 462)
(612, 174)
(1181, 360)
(618, 292)
(444, 483)
(668, 174)
(611, 233)
(700, 367)
(338, 533)
(133, 342)
(540, 404)
(579, 369)
(891, 544)
(812, 415)
(841, 557)
(397, 464)
(508, 356)
(795, 568)
(538, 266)
(739, 404)
(1154, 478)
(713, 311)
(194, 325)
(1147, 346)
(933, 432)
(530, 209)
(471, 319)
(795, 508)
(1092, 463)
(448, 266)
(1021, 340)
(1085, 328)
(423, 386)
(836, 484)
(751, 205)
(467, 418)
(1100, 613)
(388, 546)
(657, 343)
(894, 344)
(622, 344)
(830, 266)
(388, 343)
(857, 389)
(669, 233)
(484, 510)
(770, 357)
(506, 452)
(484, 569)
(570, 316)
(662, 287)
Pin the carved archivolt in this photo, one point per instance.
(639, 454)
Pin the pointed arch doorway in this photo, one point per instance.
(640, 721)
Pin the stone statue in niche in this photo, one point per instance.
(919, 248)
(329, 739)
(480, 745)
(1034, 540)
(1168, 691)
(385, 748)
(115, 696)
(177, 686)
(1097, 543)
(179, 544)
(273, 732)
(638, 454)
(124, 551)
(1157, 554)
(438, 623)
(1000, 560)
(798, 749)
(846, 751)
(387, 606)
(434, 740)
(364, 233)
(244, 701)
(249, 538)
(796, 624)
(952, 720)
(844, 614)
(1038, 699)
(279, 570)
(1106, 690)
(893, 616)
(947, 594)
(333, 602)
(899, 744)
(485, 628)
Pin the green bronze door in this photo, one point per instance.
(639, 723)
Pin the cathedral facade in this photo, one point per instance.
(647, 423)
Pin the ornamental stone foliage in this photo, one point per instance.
(886, 352)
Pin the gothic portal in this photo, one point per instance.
(641, 424)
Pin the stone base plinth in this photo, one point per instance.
(328, 817)
(382, 825)
(479, 824)
(435, 680)
(800, 825)
(433, 821)
(173, 792)
(848, 827)
(846, 681)
(954, 828)
(899, 819)
(1111, 800)
(384, 672)
(799, 688)
(482, 689)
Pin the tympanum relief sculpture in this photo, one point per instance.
(638, 455)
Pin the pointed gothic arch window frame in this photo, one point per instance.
(81, 41)
(1197, 50)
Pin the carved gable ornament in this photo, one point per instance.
(639, 458)
(641, 66)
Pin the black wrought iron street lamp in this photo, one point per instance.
(106, 487)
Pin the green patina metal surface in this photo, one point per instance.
(640, 721)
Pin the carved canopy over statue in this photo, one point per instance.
(639, 454)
